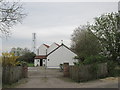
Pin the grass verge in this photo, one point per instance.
(30, 65)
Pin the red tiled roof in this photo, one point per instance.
(41, 57)
(46, 45)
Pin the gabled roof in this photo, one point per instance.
(59, 47)
(46, 45)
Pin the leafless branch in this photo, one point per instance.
(11, 13)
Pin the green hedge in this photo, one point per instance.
(112, 66)
(95, 59)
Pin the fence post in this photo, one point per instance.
(66, 69)
(25, 71)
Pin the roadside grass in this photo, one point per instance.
(30, 65)
(22, 81)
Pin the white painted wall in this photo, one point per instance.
(61, 55)
(44, 62)
(52, 47)
(42, 50)
(36, 62)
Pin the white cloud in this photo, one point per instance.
(26, 32)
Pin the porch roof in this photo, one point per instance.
(41, 57)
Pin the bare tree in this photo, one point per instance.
(10, 14)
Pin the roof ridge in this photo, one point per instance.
(57, 44)
(46, 45)
(54, 50)
(59, 47)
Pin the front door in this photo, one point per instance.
(41, 62)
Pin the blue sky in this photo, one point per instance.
(54, 21)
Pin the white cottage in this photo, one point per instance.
(56, 55)
(59, 56)
(41, 55)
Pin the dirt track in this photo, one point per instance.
(53, 78)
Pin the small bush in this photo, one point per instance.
(61, 67)
(23, 63)
(9, 59)
(78, 63)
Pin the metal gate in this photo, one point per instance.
(34, 72)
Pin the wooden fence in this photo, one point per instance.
(11, 74)
(0, 76)
(84, 72)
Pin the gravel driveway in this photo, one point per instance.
(53, 78)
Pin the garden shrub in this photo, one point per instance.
(23, 63)
(9, 59)
(92, 60)
(61, 67)
(95, 59)
(78, 63)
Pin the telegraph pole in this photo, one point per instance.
(34, 42)
(46, 64)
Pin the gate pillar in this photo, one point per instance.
(66, 69)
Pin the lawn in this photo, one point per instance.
(30, 65)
